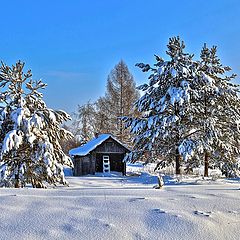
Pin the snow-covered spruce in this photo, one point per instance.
(190, 111)
(30, 132)
(165, 127)
(217, 112)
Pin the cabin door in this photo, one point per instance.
(106, 164)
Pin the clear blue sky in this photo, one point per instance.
(73, 45)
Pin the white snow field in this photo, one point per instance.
(116, 207)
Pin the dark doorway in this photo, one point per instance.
(116, 162)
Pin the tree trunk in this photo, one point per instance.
(121, 107)
(206, 164)
(160, 182)
(206, 154)
(177, 162)
(178, 158)
(17, 184)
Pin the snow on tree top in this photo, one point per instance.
(91, 145)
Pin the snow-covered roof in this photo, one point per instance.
(91, 145)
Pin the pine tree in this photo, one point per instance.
(29, 132)
(218, 111)
(165, 127)
(191, 110)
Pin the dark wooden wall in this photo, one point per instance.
(84, 165)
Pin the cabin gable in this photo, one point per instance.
(110, 146)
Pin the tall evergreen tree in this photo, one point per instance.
(190, 110)
(30, 132)
(166, 127)
(218, 110)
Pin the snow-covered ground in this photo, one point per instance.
(116, 207)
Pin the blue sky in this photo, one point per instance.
(73, 45)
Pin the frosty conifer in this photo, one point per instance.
(218, 111)
(165, 127)
(29, 132)
(190, 110)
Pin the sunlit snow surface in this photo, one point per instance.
(116, 207)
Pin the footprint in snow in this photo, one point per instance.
(136, 199)
(157, 210)
(138, 236)
(108, 225)
(177, 215)
(201, 213)
(192, 197)
(232, 211)
(212, 195)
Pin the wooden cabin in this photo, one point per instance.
(103, 154)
